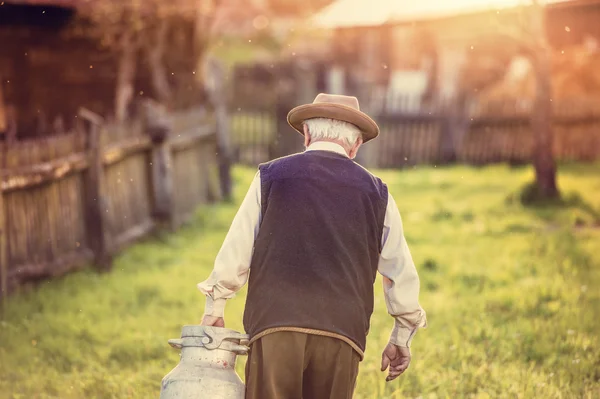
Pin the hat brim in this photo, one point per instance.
(365, 124)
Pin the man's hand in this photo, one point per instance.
(397, 358)
(213, 321)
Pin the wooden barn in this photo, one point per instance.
(53, 61)
(46, 73)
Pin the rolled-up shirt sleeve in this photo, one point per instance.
(232, 264)
(400, 279)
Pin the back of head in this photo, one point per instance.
(332, 130)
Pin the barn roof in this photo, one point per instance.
(355, 13)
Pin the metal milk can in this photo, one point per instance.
(207, 365)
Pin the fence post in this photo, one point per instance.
(287, 141)
(95, 203)
(455, 127)
(223, 149)
(215, 84)
(447, 150)
(3, 238)
(157, 125)
(368, 155)
(162, 181)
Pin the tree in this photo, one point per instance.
(175, 33)
(132, 29)
(541, 120)
(523, 32)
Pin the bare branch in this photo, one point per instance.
(155, 51)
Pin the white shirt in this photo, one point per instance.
(400, 278)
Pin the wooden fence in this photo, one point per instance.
(576, 138)
(254, 134)
(406, 140)
(425, 137)
(261, 134)
(69, 200)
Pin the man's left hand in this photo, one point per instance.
(213, 321)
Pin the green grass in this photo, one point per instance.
(511, 293)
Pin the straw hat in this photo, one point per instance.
(332, 106)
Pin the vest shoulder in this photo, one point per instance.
(277, 161)
(372, 176)
(295, 160)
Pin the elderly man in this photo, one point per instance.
(310, 236)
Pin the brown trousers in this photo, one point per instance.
(293, 365)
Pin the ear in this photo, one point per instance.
(355, 147)
(306, 136)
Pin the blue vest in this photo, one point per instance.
(316, 254)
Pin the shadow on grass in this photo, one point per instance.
(529, 197)
(579, 169)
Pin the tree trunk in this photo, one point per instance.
(202, 29)
(541, 118)
(541, 124)
(156, 52)
(125, 76)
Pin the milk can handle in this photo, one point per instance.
(215, 341)
(176, 343)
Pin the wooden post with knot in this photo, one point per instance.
(95, 201)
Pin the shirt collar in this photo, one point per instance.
(327, 146)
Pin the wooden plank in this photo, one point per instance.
(134, 193)
(55, 268)
(224, 149)
(112, 208)
(189, 138)
(54, 220)
(401, 157)
(205, 160)
(3, 243)
(14, 235)
(391, 144)
(29, 215)
(35, 175)
(118, 152)
(417, 132)
(133, 234)
(162, 183)
(90, 116)
(215, 190)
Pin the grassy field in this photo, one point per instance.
(511, 293)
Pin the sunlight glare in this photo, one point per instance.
(375, 12)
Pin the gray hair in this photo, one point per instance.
(332, 129)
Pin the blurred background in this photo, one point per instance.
(131, 129)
